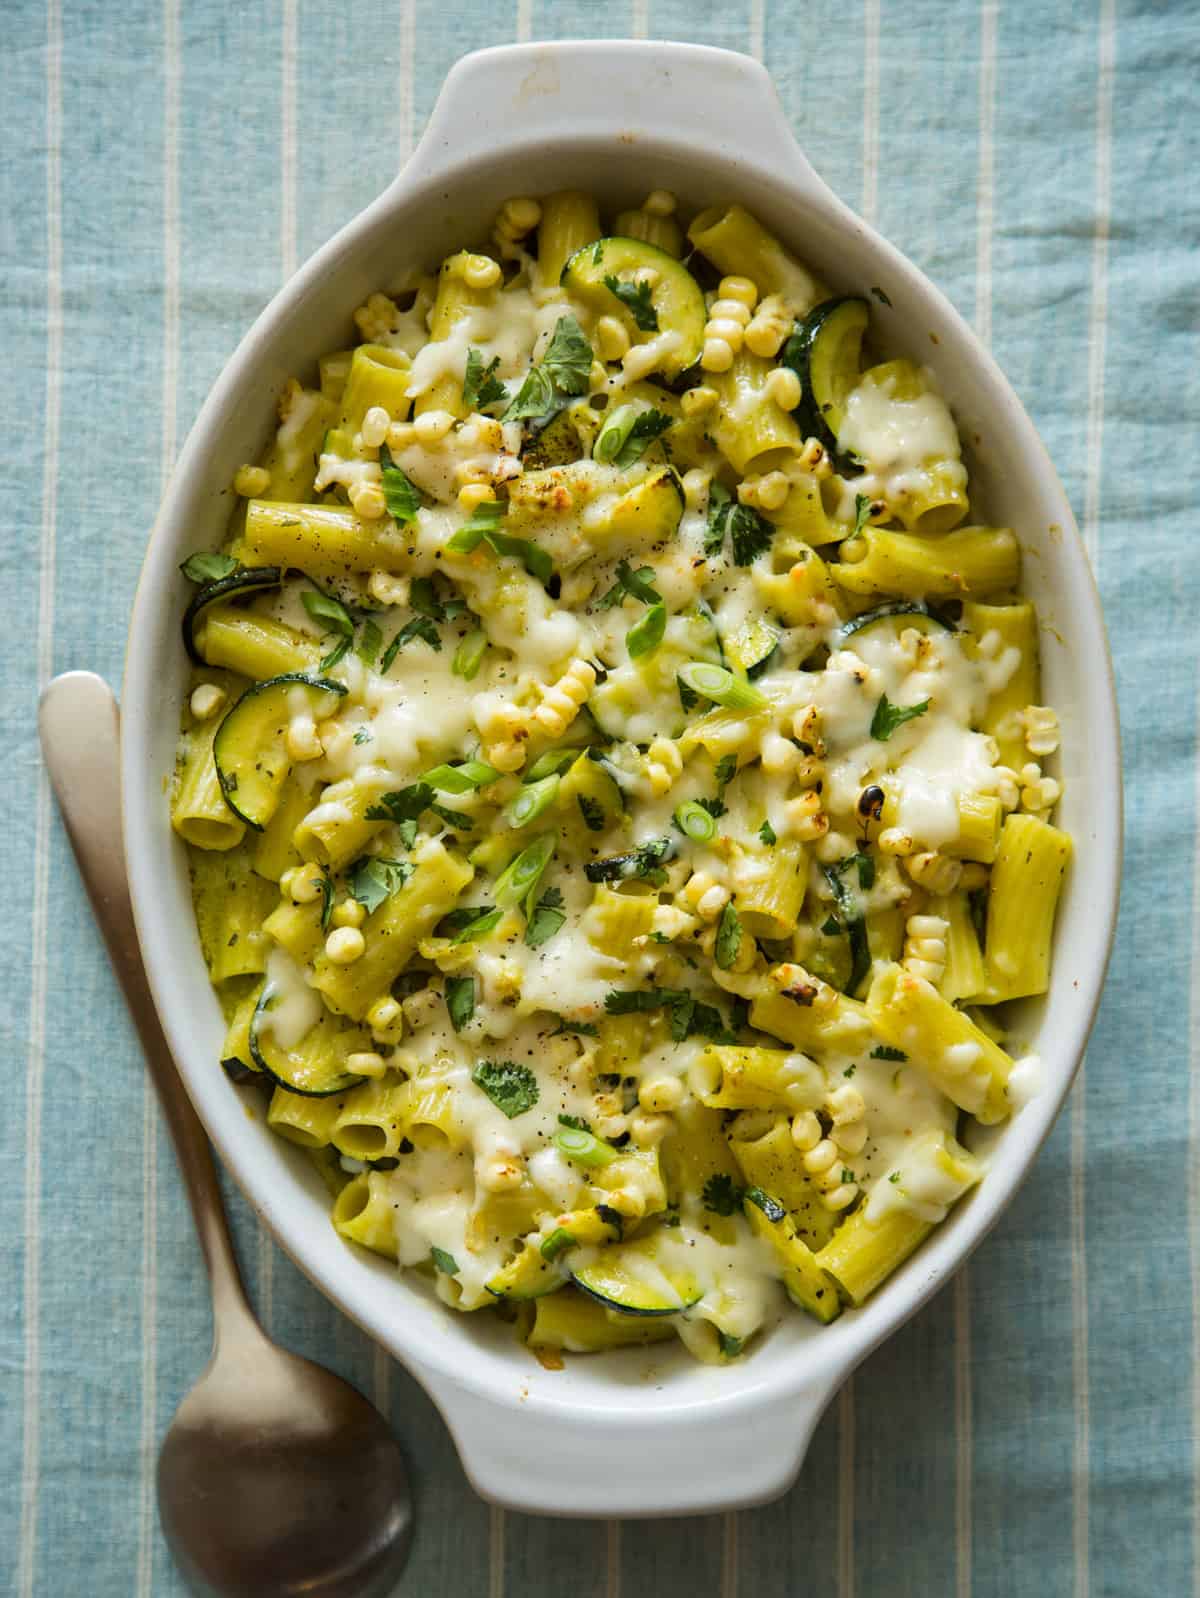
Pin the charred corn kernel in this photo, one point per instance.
(925, 947)
(345, 945)
(660, 1094)
(375, 426)
(894, 840)
(806, 729)
(839, 1197)
(481, 272)
(937, 873)
(366, 1064)
(251, 482)
(388, 590)
(648, 1131)
(716, 355)
(432, 426)
(846, 1104)
(367, 501)
(376, 318)
(804, 817)
(767, 492)
(695, 487)
(697, 401)
(401, 434)
(386, 1020)
(770, 325)
(499, 1173)
(783, 386)
(706, 896)
(301, 740)
(814, 458)
(471, 495)
(506, 755)
(562, 699)
(659, 202)
(348, 913)
(206, 700)
(1041, 729)
(852, 1137)
(612, 341)
(820, 1157)
(741, 290)
(516, 218)
(974, 876)
(806, 1131)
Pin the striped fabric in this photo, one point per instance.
(163, 165)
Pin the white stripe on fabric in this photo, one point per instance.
(496, 1553)
(845, 1516)
(1194, 1158)
(1097, 348)
(729, 1556)
(639, 22)
(35, 1060)
(408, 48)
(758, 28)
(612, 1560)
(287, 139)
(870, 98)
(524, 21)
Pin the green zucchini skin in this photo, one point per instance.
(824, 351)
(225, 746)
(246, 580)
(269, 1062)
(677, 298)
(907, 607)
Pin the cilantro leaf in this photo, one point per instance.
(888, 717)
(460, 1000)
(446, 1263)
(570, 1028)
(419, 627)
(373, 879)
(862, 513)
(729, 937)
(729, 1345)
(721, 1194)
(329, 612)
(403, 804)
(886, 1052)
(644, 861)
(749, 533)
(635, 297)
(512, 1088)
(548, 918)
(648, 426)
(326, 902)
(481, 387)
(726, 771)
(204, 568)
(688, 697)
(689, 1018)
(399, 492)
(635, 584)
(564, 369)
(767, 833)
(479, 926)
(720, 503)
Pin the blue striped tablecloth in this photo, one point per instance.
(163, 165)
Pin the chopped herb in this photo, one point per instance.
(407, 831)
(689, 1018)
(479, 927)
(894, 1177)
(729, 937)
(548, 918)
(465, 777)
(363, 736)
(767, 833)
(481, 387)
(726, 771)
(556, 1243)
(635, 297)
(729, 1345)
(626, 434)
(468, 657)
(720, 503)
(688, 697)
(330, 612)
(512, 1088)
(644, 862)
(423, 597)
(534, 559)
(721, 1195)
(888, 717)
(880, 295)
(564, 370)
(749, 533)
(446, 1263)
(399, 492)
(576, 1121)
(771, 1207)
(570, 1028)
(374, 879)
(336, 654)
(635, 584)
(452, 818)
(369, 643)
(419, 627)
(848, 1176)
(403, 804)
(862, 513)
(644, 637)
(460, 1000)
(485, 518)
(849, 1071)
(205, 568)
(326, 901)
(886, 1052)
(592, 812)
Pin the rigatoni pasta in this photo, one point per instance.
(614, 762)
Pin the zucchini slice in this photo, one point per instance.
(249, 751)
(807, 1284)
(639, 700)
(750, 648)
(907, 610)
(246, 580)
(825, 352)
(647, 514)
(640, 1278)
(315, 1067)
(539, 1266)
(674, 304)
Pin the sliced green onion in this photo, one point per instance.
(485, 518)
(479, 928)
(463, 778)
(557, 1243)
(583, 1147)
(694, 821)
(644, 637)
(521, 876)
(610, 440)
(531, 801)
(722, 687)
(552, 763)
(468, 657)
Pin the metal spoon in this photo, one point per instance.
(276, 1477)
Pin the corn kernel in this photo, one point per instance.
(251, 482)
(349, 913)
(366, 1063)
(432, 426)
(783, 386)
(367, 501)
(697, 401)
(375, 426)
(612, 341)
(303, 884)
(660, 1093)
(388, 590)
(344, 945)
(301, 740)
(740, 289)
(820, 1158)
(716, 356)
(481, 272)
(206, 700)
(659, 202)
(386, 1020)
(472, 495)
(806, 1131)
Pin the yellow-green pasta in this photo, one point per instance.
(613, 763)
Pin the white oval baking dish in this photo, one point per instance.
(639, 1434)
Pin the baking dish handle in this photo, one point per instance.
(622, 90)
(698, 1459)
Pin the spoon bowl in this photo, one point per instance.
(276, 1478)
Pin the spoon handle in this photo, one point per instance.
(79, 729)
